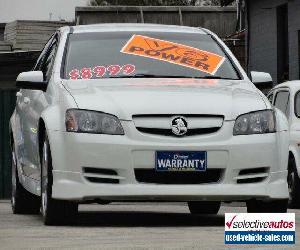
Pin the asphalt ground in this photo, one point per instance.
(125, 226)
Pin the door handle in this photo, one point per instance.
(26, 100)
(19, 94)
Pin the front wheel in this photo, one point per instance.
(273, 206)
(55, 212)
(293, 185)
(204, 207)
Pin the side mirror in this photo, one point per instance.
(261, 80)
(33, 80)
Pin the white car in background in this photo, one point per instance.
(117, 112)
(286, 97)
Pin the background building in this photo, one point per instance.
(272, 37)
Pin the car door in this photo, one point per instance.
(33, 101)
(282, 101)
(295, 128)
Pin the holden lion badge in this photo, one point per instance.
(179, 125)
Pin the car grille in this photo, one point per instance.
(168, 132)
(161, 124)
(178, 177)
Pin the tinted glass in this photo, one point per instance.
(270, 97)
(43, 54)
(98, 55)
(282, 101)
(50, 60)
(297, 104)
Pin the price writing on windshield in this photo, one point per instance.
(101, 71)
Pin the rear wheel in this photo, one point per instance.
(274, 206)
(55, 212)
(204, 207)
(22, 201)
(293, 184)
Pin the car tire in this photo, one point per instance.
(22, 201)
(204, 207)
(293, 184)
(273, 206)
(54, 212)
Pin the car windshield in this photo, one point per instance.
(145, 54)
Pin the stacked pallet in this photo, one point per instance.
(5, 46)
(30, 35)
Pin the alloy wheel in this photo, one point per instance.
(291, 182)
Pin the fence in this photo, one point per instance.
(11, 64)
(221, 20)
(7, 104)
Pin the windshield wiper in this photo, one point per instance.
(150, 76)
(215, 77)
(171, 76)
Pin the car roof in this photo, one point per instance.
(139, 27)
(293, 85)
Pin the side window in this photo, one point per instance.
(270, 97)
(297, 104)
(42, 55)
(282, 102)
(49, 60)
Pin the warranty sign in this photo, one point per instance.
(175, 53)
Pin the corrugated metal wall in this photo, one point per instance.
(221, 20)
(11, 64)
(7, 104)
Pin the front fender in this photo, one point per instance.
(53, 118)
(282, 123)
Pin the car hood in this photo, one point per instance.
(127, 97)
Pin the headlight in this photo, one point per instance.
(84, 121)
(259, 122)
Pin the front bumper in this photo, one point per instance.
(71, 152)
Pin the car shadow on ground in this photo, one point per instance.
(146, 219)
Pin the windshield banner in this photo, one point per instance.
(173, 53)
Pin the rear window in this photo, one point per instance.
(127, 54)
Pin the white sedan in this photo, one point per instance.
(286, 97)
(120, 112)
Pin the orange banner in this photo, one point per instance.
(175, 53)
